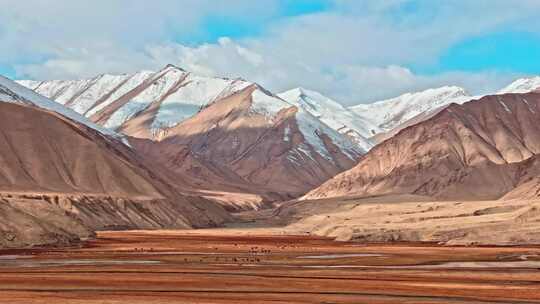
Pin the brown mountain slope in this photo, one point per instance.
(528, 177)
(465, 151)
(41, 152)
(228, 139)
(60, 180)
(164, 108)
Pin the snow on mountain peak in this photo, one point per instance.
(522, 85)
(390, 113)
(172, 66)
(150, 103)
(333, 114)
(264, 102)
(11, 91)
(311, 126)
(314, 99)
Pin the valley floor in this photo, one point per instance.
(413, 218)
(263, 265)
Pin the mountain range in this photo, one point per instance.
(228, 137)
(63, 177)
(175, 149)
(473, 150)
(177, 118)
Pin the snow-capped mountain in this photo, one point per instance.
(394, 114)
(313, 125)
(334, 115)
(11, 91)
(172, 94)
(259, 139)
(219, 130)
(522, 85)
(147, 104)
(480, 149)
(61, 178)
(390, 113)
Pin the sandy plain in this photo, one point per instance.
(265, 266)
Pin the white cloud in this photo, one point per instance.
(357, 53)
(348, 83)
(86, 37)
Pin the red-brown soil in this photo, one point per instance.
(220, 266)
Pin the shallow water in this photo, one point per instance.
(338, 256)
(498, 264)
(9, 257)
(149, 267)
(25, 262)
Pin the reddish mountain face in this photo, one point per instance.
(269, 155)
(44, 152)
(465, 151)
(61, 180)
(228, 139)
(527, 174)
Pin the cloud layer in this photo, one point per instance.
(356, 52)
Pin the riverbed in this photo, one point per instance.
(229, 266)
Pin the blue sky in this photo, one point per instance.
(7, 71)
(506, 51)
(214, 26)
(353, 51)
